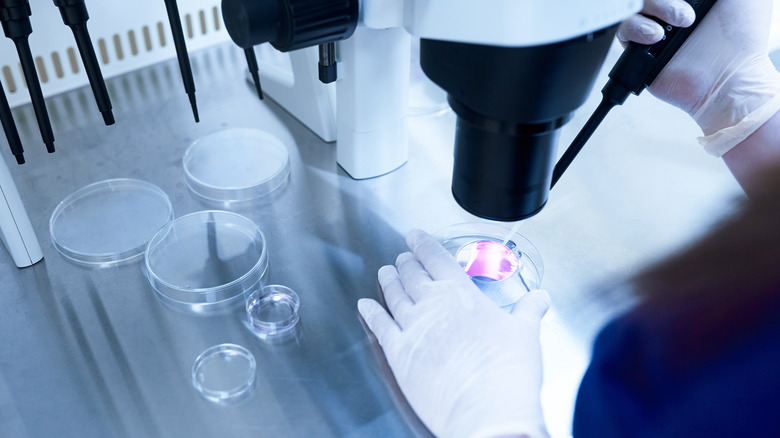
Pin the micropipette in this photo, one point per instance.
(635, 70)
(181, 53)
(9, 127)
(251, 61)
(15, 17)
(74, 15)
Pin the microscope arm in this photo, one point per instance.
(372, 96)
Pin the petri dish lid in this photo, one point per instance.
(109, 222)
(236, 165)
(223, 373)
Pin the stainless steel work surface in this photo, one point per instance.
(93, 352)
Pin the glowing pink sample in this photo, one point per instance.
(488, 259)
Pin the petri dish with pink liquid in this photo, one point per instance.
(501, 262)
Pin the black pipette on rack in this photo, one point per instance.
(15, 17)
(9, 127)
(181, 53)
(635, 70)
(74, 15)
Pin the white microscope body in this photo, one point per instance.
(373, 71)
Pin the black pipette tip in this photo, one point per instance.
(194, 106)
(108, 118)
(251, 60)
(20, 39)
(9, 127)
(181, 53)
(256, 79)
(75, 15)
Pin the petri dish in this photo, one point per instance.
(502, 263)
(109, 222)
(224, 373)
(273, 309)
(236, 164)
(206, 261)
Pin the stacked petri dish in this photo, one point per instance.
(235, 165)
(204, 262)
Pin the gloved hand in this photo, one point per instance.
(467, 368)
(722, 76)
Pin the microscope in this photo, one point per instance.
(514, 72)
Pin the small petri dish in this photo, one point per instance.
(502, 263)
(205, 262)
(224, 373)
(273, 309)
(236, 165)
(109, 222)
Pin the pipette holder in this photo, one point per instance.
(127, 36)
(16, 230)
(366, 114)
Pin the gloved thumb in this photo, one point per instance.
(532, 305)
(379, 322)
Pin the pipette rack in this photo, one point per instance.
(126, 36)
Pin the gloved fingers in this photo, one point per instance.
(678, 13)
(639, 29)
(413, 276)
(645, 30)
(379, 322)
(437, 261)
(398, 301)
(532, 305)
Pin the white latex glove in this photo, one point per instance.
(722, 76)
(467, 368)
